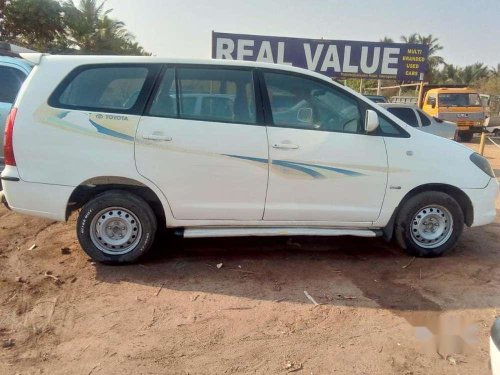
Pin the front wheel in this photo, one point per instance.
(429, 224)
(116, 227)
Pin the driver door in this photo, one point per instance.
(322, 165)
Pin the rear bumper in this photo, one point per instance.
(44, 200)
(483, 202)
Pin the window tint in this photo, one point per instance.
(11, 80)
(388, 128)
(225, 95)
(423, 118)
(165, 102)
(298, 102)
(406, 114)
(104, 88)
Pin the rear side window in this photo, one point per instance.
(220, 95)
(103, 88)
(11, 80)
(406, 114)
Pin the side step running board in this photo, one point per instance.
(277, 231)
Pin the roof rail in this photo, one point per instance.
(34, 58)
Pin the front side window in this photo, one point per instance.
(213, 94)
(104, 88)
(11, 80)
(302, 103)
(406, 114)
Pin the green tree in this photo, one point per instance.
(35, 24)
(468, 75)
(91, 29)
(433, 60)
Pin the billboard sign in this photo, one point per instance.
(334, 58)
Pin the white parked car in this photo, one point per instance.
(417, 118)
(284, 152)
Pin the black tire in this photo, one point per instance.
(466, 136)
(137, 206)
(412, 207)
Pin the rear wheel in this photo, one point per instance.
(429, 224)
(116, 227)
(496, 132)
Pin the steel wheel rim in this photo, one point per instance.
(432, 226)
(115, 231)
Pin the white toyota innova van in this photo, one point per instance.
(219, 148)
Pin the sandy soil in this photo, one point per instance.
(178, 313)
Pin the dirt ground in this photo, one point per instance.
(178, 313)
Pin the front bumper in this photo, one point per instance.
(484, 203)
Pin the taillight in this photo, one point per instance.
(8, 145)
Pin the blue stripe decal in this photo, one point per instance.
(296, 166)
(259, 160)
(347, 172)
(301, 167)
(62, 115)
(101, 129)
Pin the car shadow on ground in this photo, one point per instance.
(341, 271)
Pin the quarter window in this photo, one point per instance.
(222, 95)
(423, 119)
(105, 88)
(11, 80)
(406, 114)
(302, 103)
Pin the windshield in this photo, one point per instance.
(459, 100)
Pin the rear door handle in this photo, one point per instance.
(285, 146)
(157, 137)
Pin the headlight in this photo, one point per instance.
(482, 163)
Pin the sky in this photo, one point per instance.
(469, 30)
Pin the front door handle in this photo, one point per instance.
(157, 137)
(285, 146)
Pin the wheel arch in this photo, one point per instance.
(456, 193)
(96, 185)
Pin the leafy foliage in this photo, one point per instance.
(53, 26)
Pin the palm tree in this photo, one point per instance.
(433, 60)
(91, 30)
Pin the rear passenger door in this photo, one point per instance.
(201, 143)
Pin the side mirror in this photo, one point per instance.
(437, 119)
(305, 115)
(432, 102)
(371, 121)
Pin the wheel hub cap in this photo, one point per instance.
(115, 231)
(432, 226)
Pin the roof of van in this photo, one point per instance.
(453, 90)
